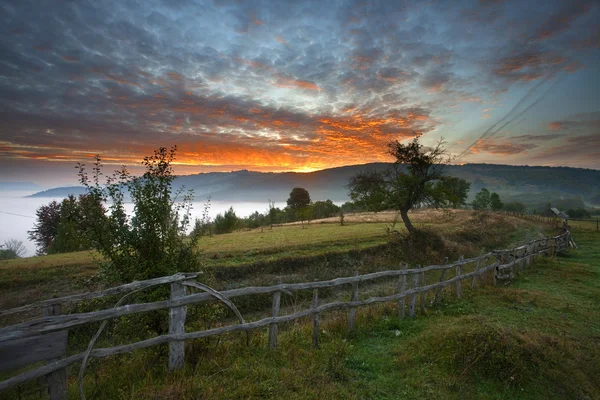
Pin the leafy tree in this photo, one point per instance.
(152, 242)
(61, 227)
(226, 222)
(299, 198)
(255, 220)
(324, 209)
(46, 227)
(202, 226)
(578, 213)
(415, 179)
(495, 202)
(515, 206)
(271, 213)
(482, 200)
(12, 248)
(298, 203)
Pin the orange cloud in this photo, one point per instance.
(281, 40)
(296, 83)
(503, 149)
(555, 126)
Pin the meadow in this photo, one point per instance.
(536, 337)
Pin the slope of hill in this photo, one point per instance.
(527, 184)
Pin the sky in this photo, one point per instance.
(295, 86)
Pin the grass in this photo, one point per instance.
(537, 338)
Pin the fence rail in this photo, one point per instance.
(411, 284)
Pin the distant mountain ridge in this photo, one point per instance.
(331, 183)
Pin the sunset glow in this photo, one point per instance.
(242, 85)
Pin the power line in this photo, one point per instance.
(18, 215)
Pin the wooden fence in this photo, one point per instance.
(44, 339)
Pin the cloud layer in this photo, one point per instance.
(278, 86)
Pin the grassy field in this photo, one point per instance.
(537, 338)
(240, 257)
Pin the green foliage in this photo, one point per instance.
(299, 198)
(515, 206)
(482, 200)
(11, 249)
(495, 202)
(152, 242)
(226, 222)
(416, 179)
(62, 227)
(324, 209)
(578, 213)
(202, 226)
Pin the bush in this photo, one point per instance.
(152, 242)
(226, 223)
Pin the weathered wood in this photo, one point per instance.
(477, 265)
(273, 330)
(177, 326)
(45, 325)
(413, 299)
(438, 292)
(223, 299)
(57, 380)
(315, 304)
(136, 285)
(458, 280)
(352, 312)
(15, 380)
(20, 352)
(402, 302)
(423, 294)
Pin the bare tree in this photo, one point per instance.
(15, 248)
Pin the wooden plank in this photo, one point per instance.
(177, 326)
(21, 352)
(438, 292)
(402, 302)
(413, 299)
(105, 352)
(458, 281)
(274, 312)
(352, 312)
(477, 265)
(315, 304)
(136, 285)
(57, 380)
(423, 294)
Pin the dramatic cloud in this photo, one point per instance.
(314, 85)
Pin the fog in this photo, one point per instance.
(16, 226)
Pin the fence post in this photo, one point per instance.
(315, 304)
(401, 289)
(177, 326)
(438, 292)
(423, 294)
(274, 312)
(352, 313)
(477, 266)
(458, 283)
(57, 380)
(413, 299)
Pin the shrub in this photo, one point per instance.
(226, 223)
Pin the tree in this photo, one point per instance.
(299, 198)
(152, 242)
(415, 179)
(495, 202)
(324, 209)
(482, 200)
(515, 206)
(226, 222)
(298, 203)
(12, 248)
(46, 227)
(271, 213)
(61, 227)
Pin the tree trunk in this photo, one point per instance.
(406, 220)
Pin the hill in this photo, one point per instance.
(527, 184)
